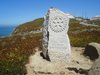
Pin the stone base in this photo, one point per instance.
(39, 66)
(56, 56)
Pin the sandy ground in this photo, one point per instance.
(39, 66)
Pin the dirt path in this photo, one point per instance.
(38, 66)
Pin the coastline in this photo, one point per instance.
(6, 31)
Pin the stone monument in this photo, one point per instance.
(56, 43)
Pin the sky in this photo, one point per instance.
(15, 12)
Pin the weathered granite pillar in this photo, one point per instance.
(56, 42)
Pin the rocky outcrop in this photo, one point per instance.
(92, 50)
(95, 69)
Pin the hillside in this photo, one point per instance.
(14, 53)
(96, 22)
(17, 48)
(29, 26)
(79, 34)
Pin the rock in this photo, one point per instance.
(95, 69)
(92, 50)
(39, 66)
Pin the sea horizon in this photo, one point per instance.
(6, 30)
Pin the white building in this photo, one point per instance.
(96, 17)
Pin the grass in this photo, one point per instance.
(29, 26)
(96, 22)
(14, 53)
(81, 35)
(83, 38)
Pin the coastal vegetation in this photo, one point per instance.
(81, 35)
(96, 22)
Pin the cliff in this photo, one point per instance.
(29, 27)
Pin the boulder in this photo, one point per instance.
(95, 69)
(92, 50)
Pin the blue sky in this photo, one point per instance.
(15, 12)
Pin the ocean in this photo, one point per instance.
(6, 30)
